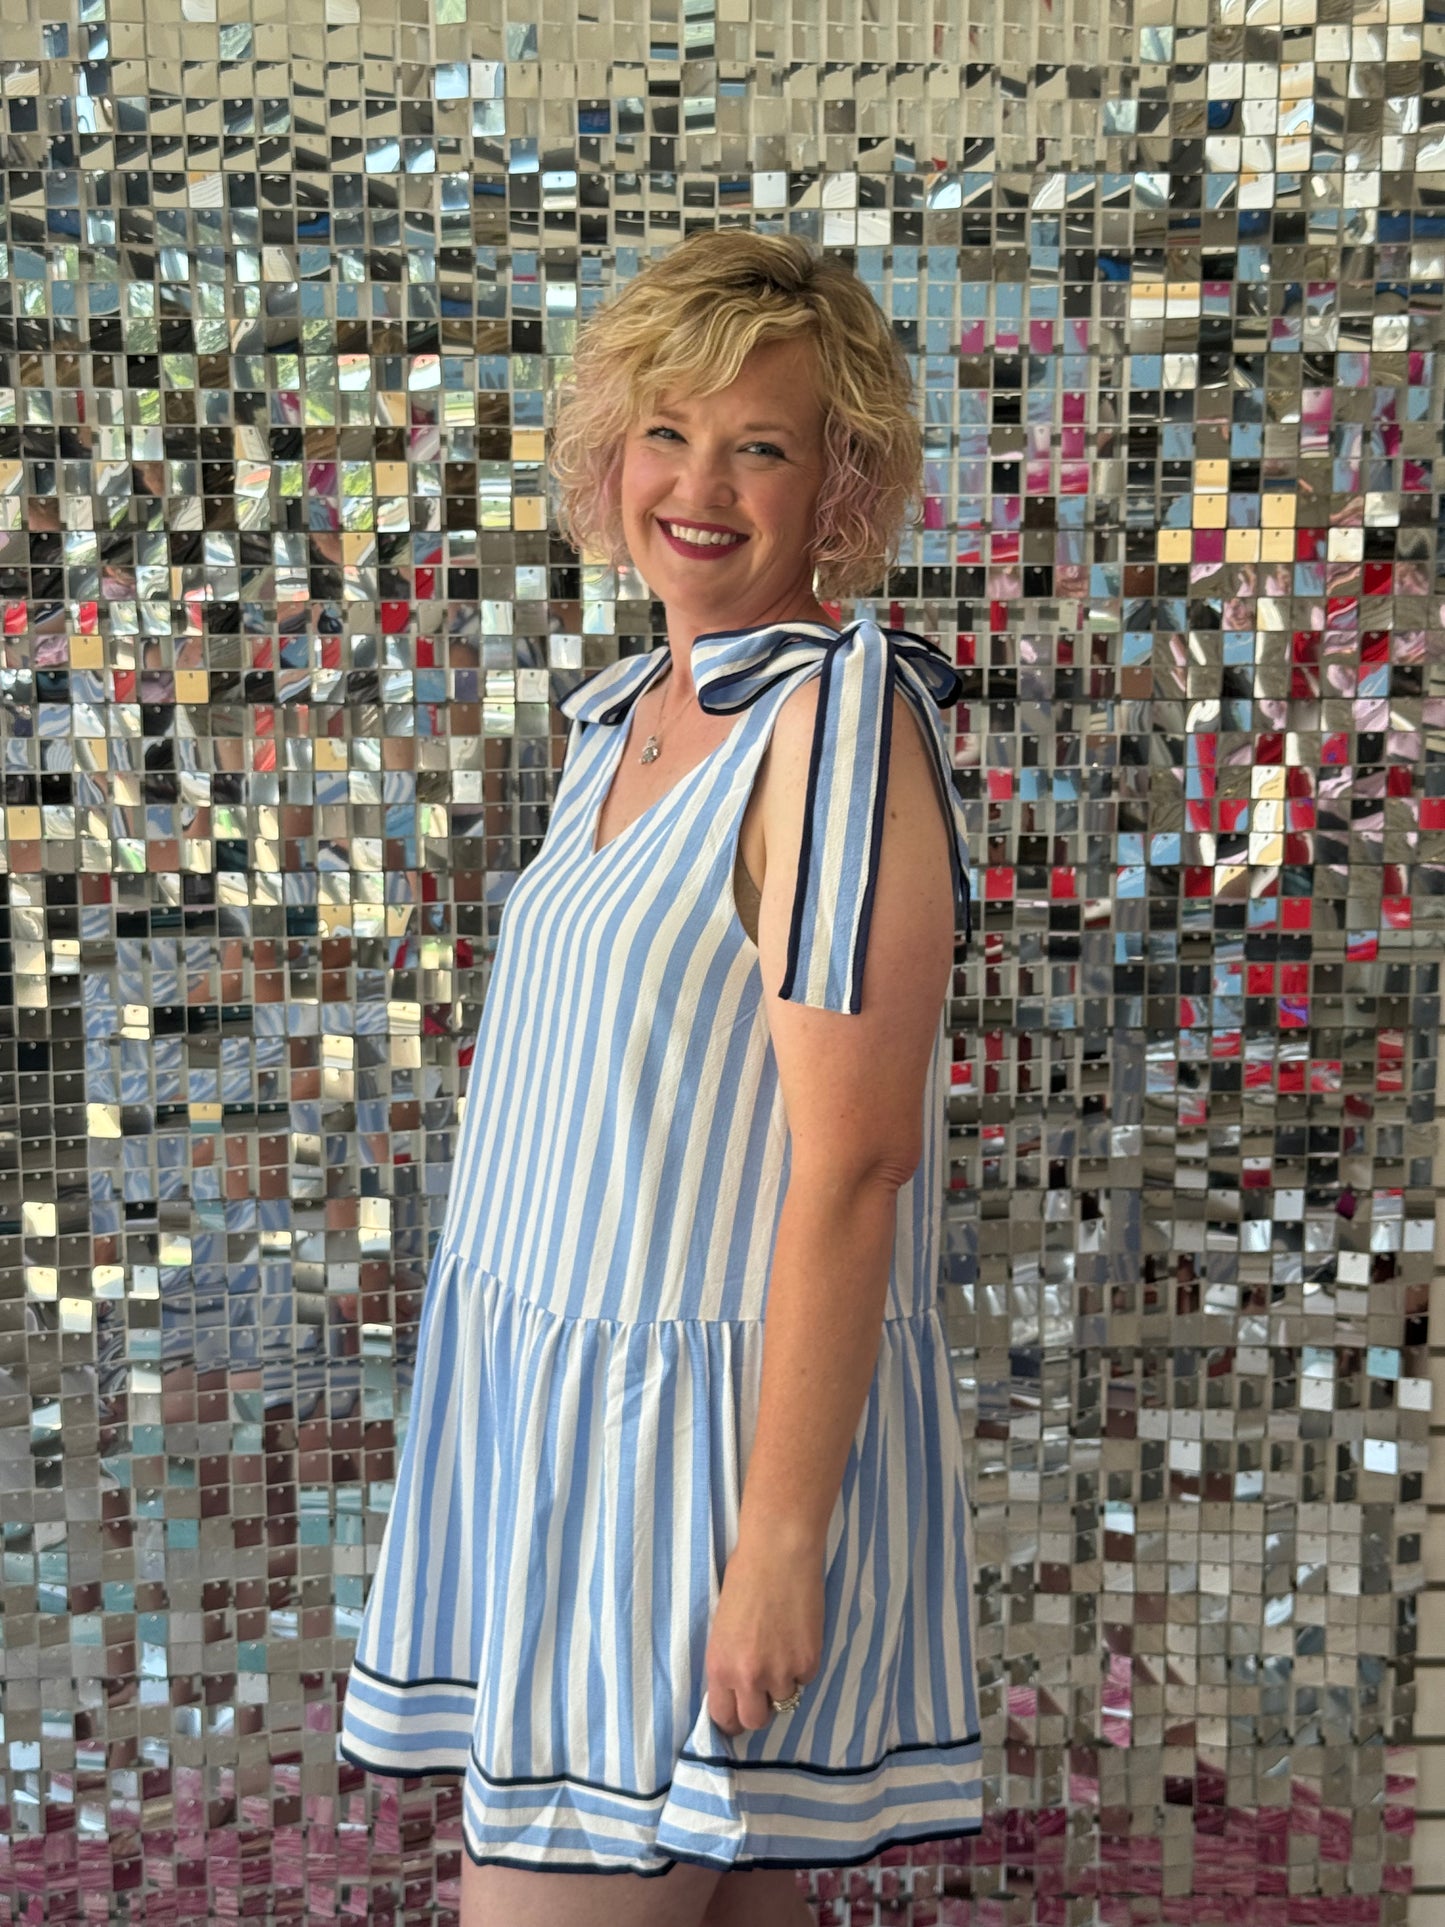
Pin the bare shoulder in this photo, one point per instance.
(783, 774)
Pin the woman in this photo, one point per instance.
(685, 1609)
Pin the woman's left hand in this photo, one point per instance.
(767, 1633)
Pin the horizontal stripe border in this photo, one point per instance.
(693, 1759)
(810, 1766)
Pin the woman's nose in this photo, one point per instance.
(703, 479)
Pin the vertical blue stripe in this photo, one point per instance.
(663, 1608)
(566, 1597)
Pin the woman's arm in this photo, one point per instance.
(852, 1087)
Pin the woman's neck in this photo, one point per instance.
(683, 632)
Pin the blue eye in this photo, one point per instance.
(767, 447)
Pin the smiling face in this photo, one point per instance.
(739, 471)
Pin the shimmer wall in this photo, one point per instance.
(283, 627)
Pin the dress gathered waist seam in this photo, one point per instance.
(919, 1315)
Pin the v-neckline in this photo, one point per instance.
(624, 732)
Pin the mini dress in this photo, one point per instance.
(590, 1344)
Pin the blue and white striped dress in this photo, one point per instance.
(591, 1337)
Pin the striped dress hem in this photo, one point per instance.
(714, 1812)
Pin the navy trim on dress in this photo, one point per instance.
(397, 1772)
(808, 1766)
(405, 1685)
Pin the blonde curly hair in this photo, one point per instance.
(685, 323)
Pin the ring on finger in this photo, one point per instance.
(793, 1699)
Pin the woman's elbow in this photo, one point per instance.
(887, 1168)
(895, 1168)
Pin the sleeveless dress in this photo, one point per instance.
(591, 1337)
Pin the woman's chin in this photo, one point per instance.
(695, 591)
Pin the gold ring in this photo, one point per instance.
(787, 1705)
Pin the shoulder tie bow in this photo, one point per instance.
(860, 668)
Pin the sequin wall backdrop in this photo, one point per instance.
(283, 623)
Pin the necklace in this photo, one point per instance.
(653, 744)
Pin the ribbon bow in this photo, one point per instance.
(860, 668)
